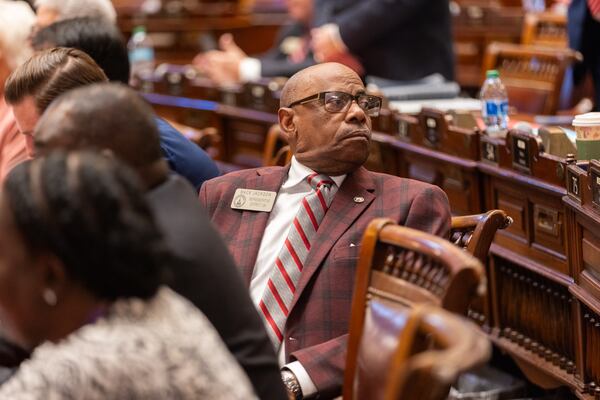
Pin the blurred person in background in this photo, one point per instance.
(82, 273)
(400, 40)
(584, 36)
(50, 11)
(290, 53)
(16, 21)
(104, 43)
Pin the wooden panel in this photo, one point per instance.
(535, 313)
(245, 142)
(516, 207)
(591, 252)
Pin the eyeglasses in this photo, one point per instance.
(339, 102)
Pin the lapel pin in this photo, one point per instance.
(359, 199)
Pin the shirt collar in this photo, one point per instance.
(298, 173)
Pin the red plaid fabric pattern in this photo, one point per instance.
(279, 293)
(594, 6)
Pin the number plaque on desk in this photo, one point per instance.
(595, 182)
(402, 130)
(573, 184)
(431, 132)
(521, 153)
(489, 152)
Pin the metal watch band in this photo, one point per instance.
(291, 383)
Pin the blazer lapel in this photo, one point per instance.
(255, 222)
(342, 213)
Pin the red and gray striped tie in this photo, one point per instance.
(278, 295)
(594, 6)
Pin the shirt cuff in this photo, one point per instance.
(250, 69)
(306, 384)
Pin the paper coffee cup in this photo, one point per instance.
(587, 126)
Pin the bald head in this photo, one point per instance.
(101, 117)
(326, 140)
(305, 80)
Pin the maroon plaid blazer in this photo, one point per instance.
(317, 326)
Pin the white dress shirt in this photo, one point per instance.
(294, 189)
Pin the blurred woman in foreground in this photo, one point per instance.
(81, 271)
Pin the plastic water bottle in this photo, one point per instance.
(494, 104)
(141, 56)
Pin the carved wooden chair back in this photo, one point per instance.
(475, 233)
(412, 353)
(276, 152)
(400, 267)
(545, 29)
(453, 345)
(533, 76)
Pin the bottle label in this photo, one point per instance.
(141, 54)
(495, 108)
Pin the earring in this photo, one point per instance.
(49, 297)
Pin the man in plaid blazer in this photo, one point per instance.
(325, 117)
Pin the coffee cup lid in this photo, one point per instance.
(588, 119)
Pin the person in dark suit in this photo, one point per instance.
(394, 39)
(290, 53)
(325, 115)
(207, 276)
(584, 35)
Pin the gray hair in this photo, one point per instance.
(67, 9)
(16, 22)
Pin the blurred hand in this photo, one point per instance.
(327, 43)
(221, 66)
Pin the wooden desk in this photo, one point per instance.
(177, 38)
(583, 224)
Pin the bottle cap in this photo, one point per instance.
(492, 73)
(139, 28)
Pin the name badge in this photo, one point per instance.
(253, 200)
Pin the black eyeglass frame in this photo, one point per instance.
(321, 96)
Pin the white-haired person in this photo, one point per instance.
(50, 11)
(16, 21)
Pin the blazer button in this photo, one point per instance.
(292, 339)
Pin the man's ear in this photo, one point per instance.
(287, 125)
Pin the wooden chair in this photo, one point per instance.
(411, 266)
(399, 267)
(545, 29)
(407, 354)
(277, 151)
(475, 233)
(533, 76)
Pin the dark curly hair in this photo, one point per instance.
(90, 212)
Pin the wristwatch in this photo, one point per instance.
(291, 384)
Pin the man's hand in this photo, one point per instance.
(327, 43)
(328, 47)
(222, 66)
